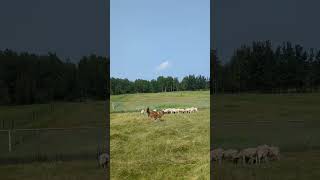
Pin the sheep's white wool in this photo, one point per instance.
(250, 153)
(178, 110)
(231, 154)
(217, 155)
(262, 153)
(103, 159)
(274, 153)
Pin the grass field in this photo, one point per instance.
(62, 154)
(75, 170)
(136, 102)
(175, 148)
(294, 128)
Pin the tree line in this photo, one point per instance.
(261, 67)
(161, 84)
(27, 78)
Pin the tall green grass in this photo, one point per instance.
(53, 154)
(293, 126)
(175, 148)
(77, 170)
(53, 145)
(59, 114)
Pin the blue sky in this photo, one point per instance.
(149, 38)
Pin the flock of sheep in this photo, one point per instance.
(257, 155)
(178, 110)
(175, 110)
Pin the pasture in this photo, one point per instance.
(53, 154)
(289, 121)
(175, 148)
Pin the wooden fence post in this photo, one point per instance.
(9, 140)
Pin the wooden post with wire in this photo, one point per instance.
(9, 140)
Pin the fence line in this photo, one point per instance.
(49, 129)
(11, 131)
(230, 123)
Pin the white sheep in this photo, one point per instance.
(231, 154)
(250, 153)
(262, 153)
(180, 110)
(217, 155)
(142, 111)
(174, 111)
(103, 160)
(166, 111)
(274, 153)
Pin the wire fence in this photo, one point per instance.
(47, 144)
(300, 123)
(289, 135)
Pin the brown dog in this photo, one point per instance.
(155, 115)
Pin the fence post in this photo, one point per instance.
(9, 140)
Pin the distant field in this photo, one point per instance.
(176, 148)
(136, 102)
(77, 148)
(290, 121)
(60, 114)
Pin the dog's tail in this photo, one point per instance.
(148, 111)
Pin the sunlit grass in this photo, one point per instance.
(175, 148)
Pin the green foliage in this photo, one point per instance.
(263, 68)
(28, 78)
(161, 84)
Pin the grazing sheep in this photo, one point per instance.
(231, 155)
(180, 110)
(274, 153)
(188, 110)
(217, 155)
(165, 111)
(176, 111)
(154, 110)
(250, 154)
(262, 153)
(142, 111)
(103, 160)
